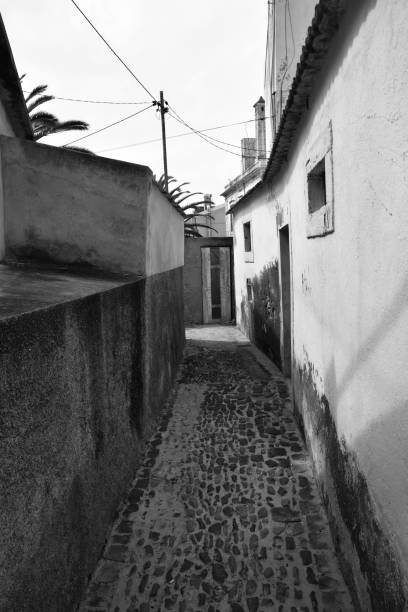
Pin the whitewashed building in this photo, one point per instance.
(321, 274)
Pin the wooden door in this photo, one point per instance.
(216, 279)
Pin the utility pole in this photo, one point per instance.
(163, 111)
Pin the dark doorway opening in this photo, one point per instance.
(286, 344)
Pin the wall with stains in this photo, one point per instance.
(258, 315)
(349, 298)
(6, 130)
(83, 209)
(92, 332)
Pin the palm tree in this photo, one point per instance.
(44, 123)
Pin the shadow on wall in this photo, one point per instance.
(260, 316)
(361, 539)
(366, 546)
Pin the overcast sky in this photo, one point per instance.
(208, 57)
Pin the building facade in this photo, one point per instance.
(321, 272)
(253, 163)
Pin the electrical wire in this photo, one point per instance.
(189, 133)
(209, 140)
(110, 125)
(180, 120)
(113, 50)
(92, 101)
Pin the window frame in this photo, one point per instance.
(320, 222)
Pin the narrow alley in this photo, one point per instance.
(223, 514)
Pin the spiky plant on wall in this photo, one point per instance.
(190, 210)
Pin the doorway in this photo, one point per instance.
(216, 282)
(286, 337)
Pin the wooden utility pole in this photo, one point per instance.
(163, 111)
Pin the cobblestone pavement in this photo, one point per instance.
(223, 514)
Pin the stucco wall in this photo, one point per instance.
(82, 385)
(349, 306)
(6, 130)
(258, 318)
(86, 364)
(165, 234)
(69, 207)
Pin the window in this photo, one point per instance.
(319, 189)
(247, 237)
(316, 187)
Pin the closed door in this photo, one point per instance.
(216, 284)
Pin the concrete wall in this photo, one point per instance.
(259, 317)
(193, 285)
(76, 208)
(77, 401)
(349, 299)
(86, 365)
(6, 130)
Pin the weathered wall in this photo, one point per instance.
(84, 377)
(5, 129)
(82, 385)
(193, 287)
(258, 318)
(349, 307)
(69, 207)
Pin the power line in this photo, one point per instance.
(189, 133)
(180, 120)
(230, 144)
(110, 125)
(92, 101)
(113, 50)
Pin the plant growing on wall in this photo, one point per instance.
(191, 211)
(44, 123)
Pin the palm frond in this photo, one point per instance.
(200, 225)
(38, 101)
(40, 89)
(43, 116)
(178, 188)
(178, 201)
(73, 124)
(189, 232)
(193, 204)
(198, 214)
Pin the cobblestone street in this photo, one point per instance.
(223, 514)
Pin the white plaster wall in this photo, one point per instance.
(6, 130)
(350, 288)
(260, 211)
(165, 234)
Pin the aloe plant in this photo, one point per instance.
(190, 210)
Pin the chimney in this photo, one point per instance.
(260, 129)
(248, 153)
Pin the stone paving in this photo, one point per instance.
(223, 514)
